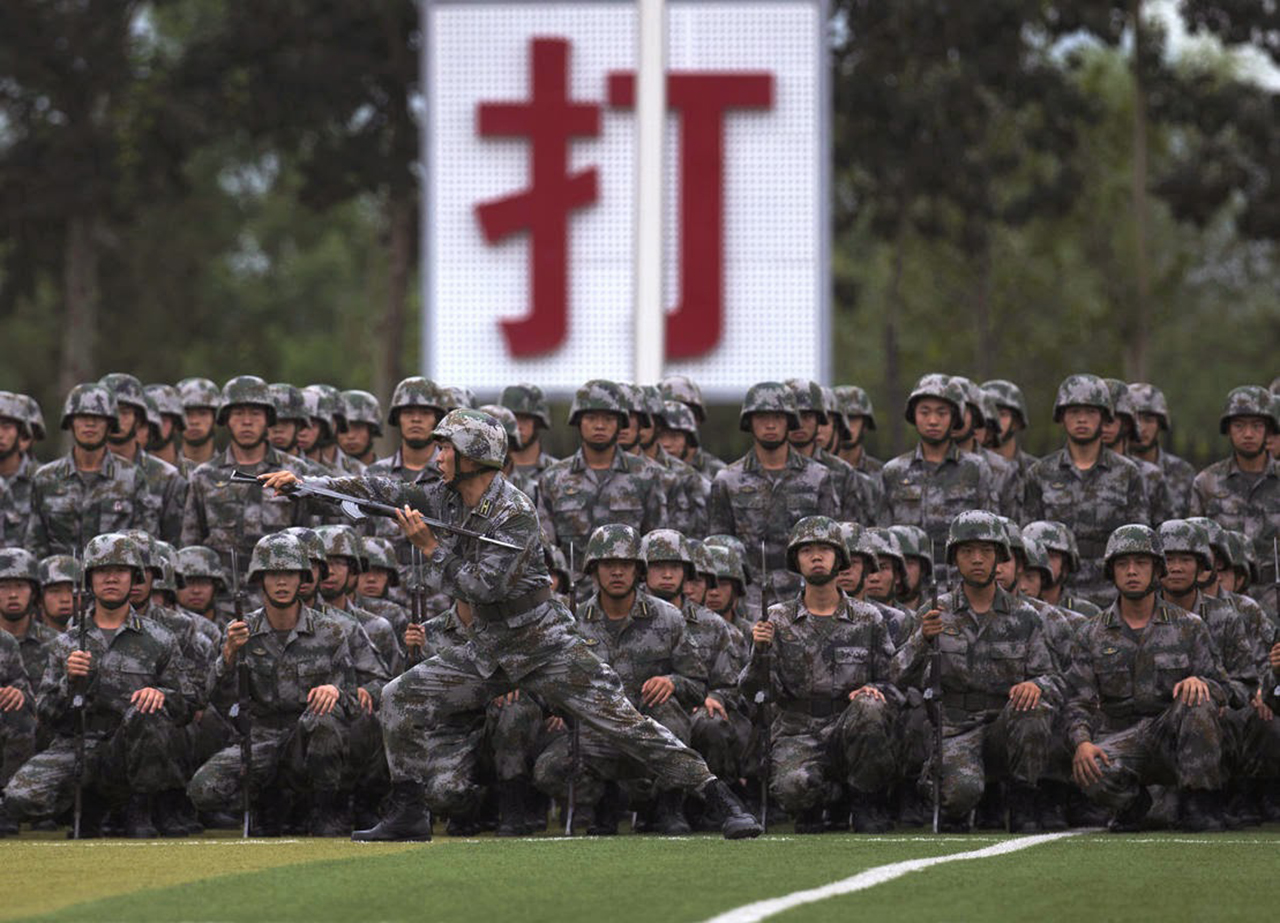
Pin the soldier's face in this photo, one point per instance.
(15, 598)
(58, 601)
(1181, 574)
(1112, 430)
(308, 434)
(808, 430)
(827, 433)
(416, 425)
(111, 584)
(722, 597)
(335, 584)
(199, 422)
(527, 426)
(1148, 428)
(1273, 445)
(648, 431)
(599, 429)
(629, 435)
(1133, 574)
(1083, 424)
(665, 578)
(616, 577)
(674, 442)
(126, 423)
(857, 426)
(141, 591)
(89, 432)
(1248, 435)
(196, 594)
(283, 435)
(1057, 563)
(8, 436)
(769, 429)
(850, 579)
(446, 460)
(1031, 582)
(976, 562)
(248, 426)
(695, 589)
(280, 587)
(357, 439)
(373, 583)
(817, 561)
(1007, 573)
(1008, 422)
(914, 569)
(933, 420)
(880, 582)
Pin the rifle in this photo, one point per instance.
(239, 712)
(416, 601)
(933, 702)
(358, 508)
(763, 698)
(78, 700)
(575, 739)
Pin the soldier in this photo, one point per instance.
(599, 483)
(745, 609)
(761, 496)
(364, 424)
(723, 735)
(19, 592)
(1242, 492)
(327, 421)
(167, 437)
(379, 574)
(997, 680)
(343, 554)
(59, 575)
(166, 489)
(88, 491)
(917, 563)
(223, 515)
(201, 401)
(200, 579)
(1145, 696)
(1116, 435)
(291, 416)
(301, 688)
(16, 470)
(856, 499)
(526, 639)
(533, 416)
(970, 435)
(35, 422)
(684, 390)
(1151, 418)
(859, 417)
(678, 436)
(687, 489)
(17, 721)
(135, 698)
(522, 482)
(1064, 559)
(930, 486)
(1085, 485)
(825, 659)
(1013, 419)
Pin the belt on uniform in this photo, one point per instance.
(815, 708)
(510, 608)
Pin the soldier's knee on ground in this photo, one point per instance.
(451, 796)
(797, 788)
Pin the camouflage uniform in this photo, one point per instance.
(15, 489)
(1178, 473)
(18, 727)
(1009, 396)
(165, 490)
(380, 553)
(529, 399)
(853, 401)
(1007, 482)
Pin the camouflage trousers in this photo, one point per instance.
(17, 741)
(366, 756)
(1181, 746)
(310, 756)
(1009, 744)
(1251, 745)
(814, 758)
(136, 759)
(723, 742)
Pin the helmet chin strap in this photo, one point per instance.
(820, 579)
(981, 584)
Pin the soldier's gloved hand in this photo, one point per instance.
(1084, 765)
(1263, 710)
(11, 698)
(362, 696)
(931, 624)
(78, 663)
(1025, 696)
(870, 691)
(1191, 691)
(148, 700)
(237, 637)
(714, 708)
(415, 635)
(762, 633)
(321, 699)
(656, 690)
(280, 481)
(416, 531)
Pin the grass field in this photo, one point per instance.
(217, 877)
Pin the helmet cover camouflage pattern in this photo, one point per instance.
(199, 561)
(853, 401)
(685, 390)
(529, 400)
(1133, 538)
(1249, 401)
(1183, 536)
(114, 549)
(613, 541)
(279, 551)
(978, 526)
(60, 568)
(1008, 395)
(816, 530)
(19, 564)
(198, 393)
(475, 435)
(168, 402)
(734, 544)
(914, 542)
(1055, 536)
(666, 545)
(415, 391)
(1083, 390)
(14, 408)
(246, 391)
(768, 397)
(937, 386)
(380, 553)
(362, 407)
(1145, 398)
(89, 400)
(599, 395)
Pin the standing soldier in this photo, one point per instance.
(1115, 436)
(1012, 420)
(89, 491)
(678, 436)
(168, 437)
(761, 496)
(364, 424)
(1145, 696)
(1085, 485)
(200, 402)
(1242, 492)
(969, 436)
(684, 390)
(327, 420)
(1064, 560)
(533, 416)
(859, 417)
(16, 470)
(686, 489)
(857, 499)
(35, 421)
(59, 576)
(291, 417)
(1151, 418)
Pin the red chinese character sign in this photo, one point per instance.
(529, 198)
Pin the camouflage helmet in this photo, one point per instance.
(200, 561)
(334, 404)
(667, 545)
(1214, 535)
(415, 391)
(633, 400)
(678, 417)
(14, 408)
(1121, 406)
(914, 542)
(35, 418)
(126, 388)
(290, 404)
(978, 526)
(768, 397)
(734, 544)
(701, 560)
(323, 408)
(147, 545)
(453, 397)
(313, 545)
(198, 393)
(342, 542)
(114, 549)
(685, 390)
(508, 420)
(249, 391)
(723, 564)
(937, 386)
(1037, 556)
(807, 397)
(972, 397)
(599, 395)
(1009, 396)
(362, 407)
(153, 418)
(93, 400)
(1083, 390)
(1249, 401)
(614, 541)
(858, 543)
(990, 410)
(19, 564)
(166, 557)
(1055, 536)
(1240, 555)
(816, 530)
(60, 568)
(651, 400)
(834, 413)
(853, 401)
(279, 551)
(168, 402)
(1145, 398)
(887, 548)
(1134, 538)
(1185, 537)
(474, 435)
(380, 553)
(529, 400)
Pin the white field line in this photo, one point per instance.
(760, 910)
(153, 844)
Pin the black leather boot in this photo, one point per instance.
(137, 818)
(406, 820)
(735, 822)
(1023, 810)
(669, 819)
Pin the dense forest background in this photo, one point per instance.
(1022, 189)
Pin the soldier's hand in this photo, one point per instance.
(1274, 657)
(78, 663)
(714, 708)
(321, 699)
(415, 635)
(1084, 765)
(869, 691)
(280, 481)
(656, 690)
(362, 696)
(931, 624)
(509, 699)
(554, 724)
(415, 530)
(1262, 709)
(148, 700)
(1191, 691)
(237, 637)
(1025, 696)
(762, 633)
(11, 698)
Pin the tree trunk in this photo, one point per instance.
(893, 313)
(388, 369)
(80, 297)
(1135, 347)
(982, 353)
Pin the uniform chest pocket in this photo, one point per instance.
(851, 665)
(626, 507)
(312, 673)
(907, 494)
(848, 655)
(1007, 660)
(1171, 667)
(1115, 681)
(571, 499)
(955, 653)
(750, 499)
(1059, 500)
